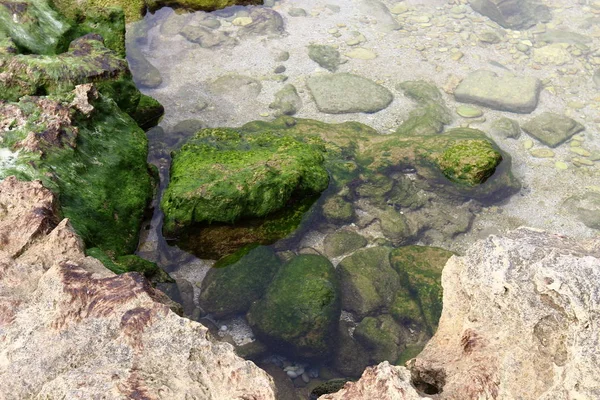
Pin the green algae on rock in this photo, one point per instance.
(148, 112)
(469, 162)
(130, 263)
(431, 114)
(420, 271)
(222, 175)
(301, 308)
(235, 282)
(85, 149)
(381, 336)
(343, 242)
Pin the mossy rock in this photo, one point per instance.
(34, 26)
(222, 175)
(131, 263)
(431, 113)
(75, 9)
(420, 270)
(350, 357)
(368, 281)
(469, 162)
(148, 112)
(381, 336)
(236, 281)
(343, 242)
(301, 308)
(331, 386)
(204, 5)
(96, 163)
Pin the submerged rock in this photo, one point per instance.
(301, 308)
(83, 323)
(343, 242)
(381, 337)
(431, 114)
(586, 208)
(236, 281)
(552, 129)
(506, 128)
(512, 14)
(505, 93)
(326, 56)
(347, 93)
(287, 101)
(487, 304)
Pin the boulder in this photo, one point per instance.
(301, 308)
(508, 92)
(512, 14)
(381, 337)
(347, 93)
(552, 129)
(343, 242)
(91, 333)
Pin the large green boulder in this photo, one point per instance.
(301, 308)
(238, 280)
(74, 9)
(368, 281)
(89, 152)
(420, 270)
(222, 175)
(381, 336)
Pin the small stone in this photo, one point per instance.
(582, 162)
(522, 48)
(507, 128)
(332, 30)
(420, 19)
(361, 53)
(468, 112)
(575, 143)
(242, 21)
(457, 55)
(399, 8)
(264, 114)
(297, 12)
(542, 153)
(279, 69)
(580, 151)
(282, 56)
(552, 129)
(326, 56)
(292, 374)
(528, 144)
(554, 54)
(305, 377)
(223, 328)
(489, 37)
(561, 166)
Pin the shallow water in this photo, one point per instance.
(437, 41)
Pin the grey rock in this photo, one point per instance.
(586, 208)
(282, 56)
(489, 37)
(205, 37)
(505, 93)
(513, 14)
(558, 36)
(280, 69)
(376, 9)
(506, 128)
(236, 86)
(265, 22)
(144, 73)
(348, 93)
(552, 129)
(174, 23)
(297, 12)
(287, 101)
(326, 56)
(342, 242)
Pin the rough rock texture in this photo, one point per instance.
(90, 333)
(505, 93)
(513, 14)
(519, 322)
(552, 129)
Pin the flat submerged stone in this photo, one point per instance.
(552, 129)
(505, 93)
(348, 93)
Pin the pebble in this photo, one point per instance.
(283, 56)
(279, 69)
(575, 143)
(582, 162)
(264, 114)
(242, 21)
(361, 53)
(305, 377)
(469, 111)
(292, 374)
(528, 144)
(399, 8)
(576, 105)
(542, 153)
(457, 55)
(560, 165)
(580, 151)
(223, 328)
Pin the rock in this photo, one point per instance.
(287, 101)
(380, 336)
(431, 114)
(338, 210)
(301, 308)
(516, 14)
(506, 128)
(265, 22)
(144, 73)
(596, 78)
(280, 69)
(376, 9)
(552, 129)
(342, 242)
(505, 93)
(282, 56)
(330, 386)
(103, 151)
(148, 112)
(236, 281)
(367, 280)
(347, 93)
(469, 112)
(326, 56)
(487, 304)
(236, 87)
(586, 208)
(394, 225)
(361, 53)
(131, 263)
(205, 37)
(553, 54)
(420, 271)
(350, 357)
(489, 37)
(558, 36)
(297, 12)
(124, 332)
(249, 176)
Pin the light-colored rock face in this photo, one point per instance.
(519, 322)
(70, 328)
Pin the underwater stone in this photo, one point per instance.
(586, 208)
(287, 101)
(505, 93)
(326, 56)
(552, 129)
(347, 93)
(380, 336)
(343, 242)
(516, 14)
(506, 127)
(431, 114)
(301, 308)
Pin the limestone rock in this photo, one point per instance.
(552, 129)
(91, 333)
(347, 93)
(505, 93)
(529, 298)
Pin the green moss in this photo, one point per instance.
(148, 112)
(410, 352)
(331, 386)
(343, 242)
(205, 5)
(301, 308)
(239, 280)
(338, 210)
(73, 9)
(33, 26)
(108, 22)
(431, 114)
(130, 263)
(381, 336)
(96, 164)
(420, 270)
(221, 175)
